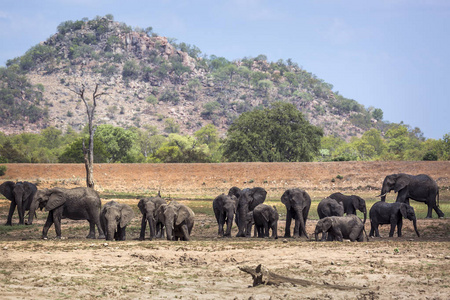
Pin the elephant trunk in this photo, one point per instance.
(365, 215)
(415, 227)
(301, 222)
(316, 235)
(110, 231)
(243, 210)
(32, 212)
(151, 225)
(275, 230)
(169, 230)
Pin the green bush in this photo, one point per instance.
(2, 170)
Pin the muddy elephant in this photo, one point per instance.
(178, 220)
(341, 227)
(351, 204)
(148, 208)
(420, 187)
(77, 204)
(224, 207)
(266, 218)
(297, 202)
(21, 194)
(114, 218)
(248, 199)
(391, 213)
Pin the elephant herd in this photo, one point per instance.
(246, 207)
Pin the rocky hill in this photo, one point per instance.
(150, 80)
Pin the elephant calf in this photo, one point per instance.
(266, 217)
(224, 207)
(178, 220)
(114, 218)
(338, 228)
(391, 213)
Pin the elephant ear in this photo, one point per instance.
(327, 222)
(401, 182)
(126, 215)
(285, 199)
(6, 189)
(56, 199)
(183, 214)
(141, 206)
(355, 203)
(403, 210)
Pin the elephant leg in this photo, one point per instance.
(91, 234)
(47, 225)
(229, 225)
(438, 211)
(399, 227)
(122, 233)
(287, 229)
(266, 229)
(57, 221)
(20, 211)
(337, 233)
(12, 207)
(185, 231)
(393, 225)
(143, 227)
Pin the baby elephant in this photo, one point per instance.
(224, 207)
(178, 220)
(114, 218)
(266, 217)
(349, 227)
(329, 207)
(391, 213)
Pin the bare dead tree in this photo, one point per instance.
(89, 152)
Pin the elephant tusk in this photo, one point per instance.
(382, 195)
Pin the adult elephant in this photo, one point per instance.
(114, 218)
(148, 208)
(77, 204)
(391, 213)
(297, 202)
(420, 187)
(224, 207)
(351, 204)
(265, 218)
(21, 194)
(339, 227)
(248, 199)
(178, 220)
(329, 207)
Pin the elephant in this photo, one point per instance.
(265, 218)
(329, 207)
(178, 220)
(341, 227)
(391, 213)
(248, 199)
(351, 204)
(21, 194)
(148, 208)
(114, 218)
(420, 187)
(297, 202)
(224, 207)
(79, 203)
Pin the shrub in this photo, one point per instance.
(2, 170)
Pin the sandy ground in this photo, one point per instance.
(207, 267)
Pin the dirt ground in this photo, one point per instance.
(208, 267)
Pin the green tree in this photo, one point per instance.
(182, 149)
(116, 140)
(209, 135)
(278, 133)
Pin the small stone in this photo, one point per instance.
(430, 256)
(447, 257)
(332, 263)
(5, 248)
(285, 241)
(105, 244)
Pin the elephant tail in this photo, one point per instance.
(437, 197)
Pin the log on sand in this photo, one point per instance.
(261, 275)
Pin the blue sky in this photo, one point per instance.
(389, 54)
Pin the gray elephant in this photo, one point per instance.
(297, 202)
(329, 207)
(391, 213)
(351, 204)
(21, 194)
(266, 217)
(338, 228)
(248, 199)
(178, 220)
(224, 207)
(420, 187)
(77, 204)
(148, 208)
(114, 218)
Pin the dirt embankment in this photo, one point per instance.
(207, 180)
